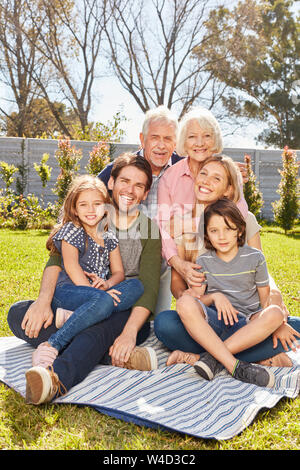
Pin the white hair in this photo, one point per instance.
(159, 114)
(207, 121)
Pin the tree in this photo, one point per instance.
(70, 34)
(99, 158)
(44, 171)
(18, 61)
(40, 120)
(255, 50)
(252, 194)
(150, 47)
(286, 209)
(68, 159)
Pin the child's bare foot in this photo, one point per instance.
(280, 360)
(180, 357)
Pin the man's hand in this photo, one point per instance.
(122, 348)
(38, 315)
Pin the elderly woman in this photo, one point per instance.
(218, 177)
(199, 137)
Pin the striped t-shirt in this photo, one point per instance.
(238, 279)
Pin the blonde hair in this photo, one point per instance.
(206, 120)
(190, 243)
(68, 209)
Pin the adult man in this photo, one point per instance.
(130, 182)
(158, 141)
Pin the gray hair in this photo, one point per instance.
(206, 121)
(159, 114)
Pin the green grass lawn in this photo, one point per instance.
(22, 258)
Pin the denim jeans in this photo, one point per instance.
(171, 332)
(89, 348)
(90, 306)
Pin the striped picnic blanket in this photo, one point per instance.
(174, 398)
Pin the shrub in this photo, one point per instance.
(99, 158)
(7, 171)
(20, 212)
(68, 159)
(252, 194)
(44, 172)
(286, 209)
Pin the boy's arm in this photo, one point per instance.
(263, 293)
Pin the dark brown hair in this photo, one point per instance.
(131, 159)
(231, 215)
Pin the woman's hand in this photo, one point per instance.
(225, 308)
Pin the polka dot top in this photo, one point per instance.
(93, 258)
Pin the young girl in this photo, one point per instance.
(234, 302)
(91, 266)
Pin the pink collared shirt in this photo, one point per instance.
(176, 194)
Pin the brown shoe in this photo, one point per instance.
(142, 359)
(280, 360)
(42, 385)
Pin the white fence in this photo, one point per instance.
(19, 151)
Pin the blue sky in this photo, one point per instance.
(109, 97)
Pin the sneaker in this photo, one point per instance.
(253, 374)
(208, 366)
(44, 355)
(142, 359)
(42, 385)
(62, 316)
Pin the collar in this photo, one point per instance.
(185, 168)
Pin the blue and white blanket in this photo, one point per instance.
(174, 398)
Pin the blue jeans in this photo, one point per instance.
(171, 332)
(90, 306)
(89, 348)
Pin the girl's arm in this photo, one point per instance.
(116, 268)
(70, 257)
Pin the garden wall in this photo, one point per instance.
(15, 150)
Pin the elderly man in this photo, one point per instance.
(158, 142)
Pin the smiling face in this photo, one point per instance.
(199, 142)
(129, 188)
(90, 207)
(212, 183)
(223, 236)
(158, 144)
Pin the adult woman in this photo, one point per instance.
(199, 137)
(216, 179)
